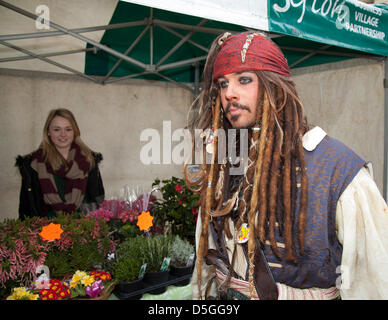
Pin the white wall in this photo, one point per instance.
(110, 117)
(69, 14)
(346, 99)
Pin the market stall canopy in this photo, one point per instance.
(169, 40)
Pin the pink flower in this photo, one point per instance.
(102, 213)
(95, 289)
(178, 188)
(194, 211)
(128, 215)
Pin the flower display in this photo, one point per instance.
(102, 213)
(100, 275)
(145, 221)
(83, 243)
(94, 290)
(88, 283)
(51, 232)
(20, 255)
(22, 293)
(57, 291)
(122, 215)
(82, 284)
(130, 215)
(177, 208)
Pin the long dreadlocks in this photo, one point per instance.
(266, 197)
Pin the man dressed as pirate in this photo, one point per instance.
(304, 218)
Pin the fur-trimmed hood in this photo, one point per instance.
(26, 160)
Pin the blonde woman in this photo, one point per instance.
(62, 175)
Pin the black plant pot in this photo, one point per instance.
(124, 290)
(177, 272)
(155, 278)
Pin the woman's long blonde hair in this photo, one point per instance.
(50, 152)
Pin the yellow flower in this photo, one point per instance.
(78, 276)
(22, 293)
(33, 296)
(73, 284)
(87, 280)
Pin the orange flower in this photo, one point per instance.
(144, 221)
(51, 232)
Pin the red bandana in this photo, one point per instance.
(260, 54)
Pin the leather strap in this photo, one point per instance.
(262, 276)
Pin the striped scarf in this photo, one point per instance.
(75, 173)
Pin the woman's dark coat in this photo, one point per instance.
(31, 199)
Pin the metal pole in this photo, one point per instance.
(128, 77)
(308, 56)
(78, 30)
(191, 28)
(181, 36)
(181, 63)
(51, 54)
(385, 182)
(151, 37)
(75, 35)
(59, 65)
(134, 43)
(196, 80)
(180, 84)
(334, 53)
(179, 44)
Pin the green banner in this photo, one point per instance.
(345, 23)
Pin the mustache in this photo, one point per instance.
(237, 106)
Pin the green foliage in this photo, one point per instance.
(21, 251)
(59, 263)
(128, 231)
(128, 260)
(180, 252)
(154, 250)
(79, 257)
(178, 207)
(84, 242)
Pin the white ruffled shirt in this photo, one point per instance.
(362, 229)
